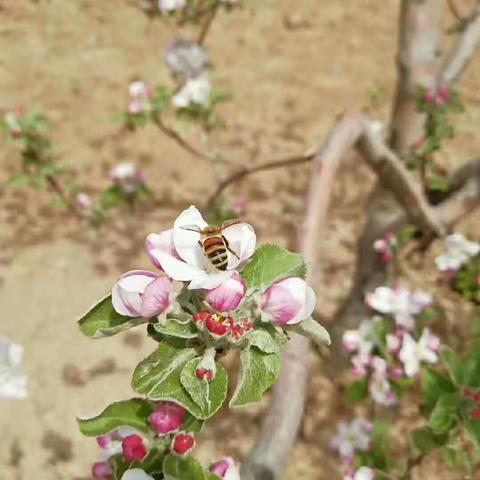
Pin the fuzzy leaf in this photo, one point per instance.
(434, 385)
(128, 413)
(453, 364)
(356, 392)
(258, 373)
(425, 440)
(267, 338)
(191, 424)
(209, 396)
(271, 263)
(311, 329)
(158, 376)
(103, 321)
(444, 413)
(175, 328)
(182, 468)
(472, 429)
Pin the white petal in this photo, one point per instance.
(209, 280)
(242, 240)
(136, 280)
(12, 385)
(307, 298)
(175, 268)
(136, 474)
(187, 242)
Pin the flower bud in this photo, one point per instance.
(167, 418)
(139, 293)
(288, 301)
(102, 470)
(183, 443)
(475, 413)
(203, 373)
(104, 441)
(217, 325)
(207, 368)
(228, 295)
(133, 448)
(226, 469)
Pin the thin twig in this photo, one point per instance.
(271, 165)
(58, 190)
(210, 16)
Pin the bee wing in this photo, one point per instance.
(229, 223)
(192, 228)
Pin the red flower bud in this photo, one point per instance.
(476, 413)
(217, 325)
(167, 418)
(183, 443)
(133, 448)
(202, 316)
(102, 470)
(202, 373)
(476, 397)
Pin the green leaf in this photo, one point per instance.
(434, 385)
(209, 396)
(158, 376)
(127, 413)
(472, 429)
(103, 321)
(191, 424)
(356, 392)
(425, 440)
(258, 373)
(176, 328)
(311, 329)
(444, 413)
(267, 338)
(271, 263)
(182, 468)
(453, 364)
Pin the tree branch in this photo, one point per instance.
(210, 16)
(462, 52)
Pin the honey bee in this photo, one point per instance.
(214, 244)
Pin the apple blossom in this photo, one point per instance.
(140, 293)
(185, 59)
(413, 353)
(140, 95)
(195, 91)
(363, 473)
(288, 301)
(136, 474)
(379, 387)
(133, 448)
(400, 303)
(189, 263)
(226, 469)
(352, 437)
(13, 385)
(385, 246)
(183, 443)
(227, 296)
(361, 364)
(217, 325)
(362, 340)
(84, 201)
(458, 251)
(102, 470)
(167, 418)
(166, 6)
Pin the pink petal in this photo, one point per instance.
(160, 241)
(156, 298)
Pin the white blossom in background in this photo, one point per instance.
(128, 176)
(458, 251)
(385, 246)
(166, 6)
(140, 95)
(363, 473)
(413, 353)
(399, 302)
(379, 386)
(194, 91)
(362, 340)
(13, 384)
(352, 436)
(185, 59)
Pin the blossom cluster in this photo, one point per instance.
(165, 432)
(351, 438)
(393, 344)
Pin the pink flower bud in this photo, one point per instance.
(83, 201)
(104, 441)
(429, 96)
(203, 373)
(228, 295)
(139, 293)
(133, 448)
(226, 469)
(102, 470)
(288, 301)
(201, 317)
(217, 325)
(167, 418)
(443, 93)
(183, 443)
(239, 203)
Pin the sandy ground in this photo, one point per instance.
(296, 65)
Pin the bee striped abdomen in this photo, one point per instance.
(216, 252)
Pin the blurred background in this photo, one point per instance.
(292, 67)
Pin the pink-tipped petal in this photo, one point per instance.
(228, 295)
(156, 298)
(162, 241)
